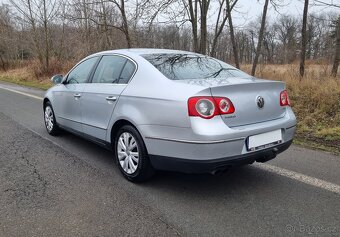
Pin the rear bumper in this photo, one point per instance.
(210, 139)
(211, 165)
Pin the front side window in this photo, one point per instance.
(191, 66)
(81, 73)
(109, 69)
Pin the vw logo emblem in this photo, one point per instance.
(260, 102)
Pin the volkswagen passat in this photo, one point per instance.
(171, 110)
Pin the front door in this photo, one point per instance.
(69, 98)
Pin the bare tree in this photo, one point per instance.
(80, 27)
(123, 16)
(46, 34)
(26, 9)
(232, 36)
(5, 33)
(204, 4)
(39, 15)
(269, 44)
(198, 11)
(323, 3)
(125, 24)
(260, 39)
(243, 46)
(286, 33)
(62, 15)
(303, 39)
(222, 17)
(337, 50)
(192, 6)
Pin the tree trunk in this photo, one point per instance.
(204, 31)
(87, 30)
(303, 39)
(2, 63)
(259, 43)
(47, 46)
(232, 36)
(61, 43)
(193, 20)
(337, 50)
(35, 33)
(217, 27)
(105, 25)
(218, 30)
(125, 24)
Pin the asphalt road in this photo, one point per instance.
(67, 186)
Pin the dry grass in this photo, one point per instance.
(315, 99)
(30, 73)
(23, 76)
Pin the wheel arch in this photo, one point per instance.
(117, 125)
(45, 101)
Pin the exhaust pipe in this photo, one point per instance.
(219, 170)
(271, 155)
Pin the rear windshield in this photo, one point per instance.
(190, 66)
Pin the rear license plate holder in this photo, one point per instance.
(264, 140)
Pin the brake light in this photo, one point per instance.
(225, 105)
(284, 99)
(207, 106)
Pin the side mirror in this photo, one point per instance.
(57, 79)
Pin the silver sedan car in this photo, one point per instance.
(171, 110)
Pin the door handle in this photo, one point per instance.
(111, 98)
(77, 95)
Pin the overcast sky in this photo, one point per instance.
(253, 8)
(248, 10)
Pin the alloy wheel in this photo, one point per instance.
(127, 151)
(49, 118)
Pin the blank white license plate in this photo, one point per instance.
(264, 140)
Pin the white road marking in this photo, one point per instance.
(22, 93)
(273, 169)
(301, 178)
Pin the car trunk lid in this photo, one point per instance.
(254, 100)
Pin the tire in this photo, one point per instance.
(50, 121)
(131, 155)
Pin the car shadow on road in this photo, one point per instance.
(234, 181)
(237, 179)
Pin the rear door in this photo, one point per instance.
(99, 97)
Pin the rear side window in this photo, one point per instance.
(192, 66)
(81, 72)
(109, 69)
(127, 72)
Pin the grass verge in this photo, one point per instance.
(316, 145)
(25, 77)
(44, 85)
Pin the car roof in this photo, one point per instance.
(141, 51)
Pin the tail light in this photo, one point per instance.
(284, 100)
(207, 106)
